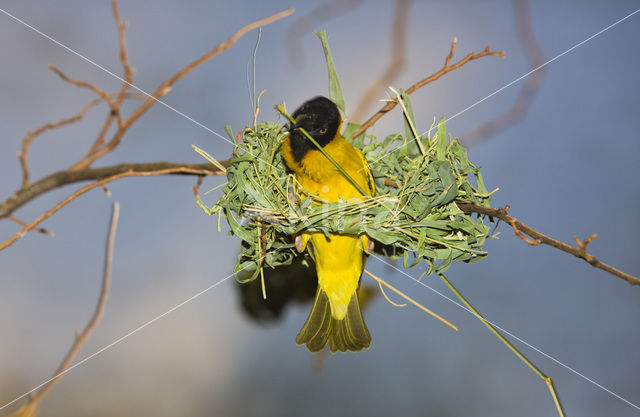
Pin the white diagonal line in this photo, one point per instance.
(114, 75)
(521, 77)
(380, 259)
(115, 342)
(510, 334)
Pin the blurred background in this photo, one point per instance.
(568, 167)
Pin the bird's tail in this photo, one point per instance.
(349, 333)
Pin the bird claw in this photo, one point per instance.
(299, 244)
(370, 245)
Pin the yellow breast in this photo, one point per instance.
(318, 176)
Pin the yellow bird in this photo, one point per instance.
(335, 316)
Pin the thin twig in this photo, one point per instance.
(411, 300)
(102, 301)
(396, 63)
(447, 67)
(37, 229)
(196, 188)
(579, 251)
(166, 86)
(128, 78)
(64, 177)
(32, 134)
(88, 187)
(123, 57)
(83, 84)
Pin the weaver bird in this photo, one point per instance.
(335, 317)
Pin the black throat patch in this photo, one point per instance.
(321, 119)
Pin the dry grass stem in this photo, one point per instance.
(380, 281)
(447, 67)
(32, 134)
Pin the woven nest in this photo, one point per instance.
(413, 214)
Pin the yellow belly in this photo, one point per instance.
(339, 266)
(339, 259)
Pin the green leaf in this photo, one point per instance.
(415, 217)
(229, 131)
(237, 229)
(351, 129)
(409, 117)
(335, 90)
(209, 158)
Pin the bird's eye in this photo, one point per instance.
(323, 130)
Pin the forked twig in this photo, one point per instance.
(30, 408)
(128, 77)
(79, 171)
(32, 134)
(88, 187)
(83, 84)
(446, 68)
(60, 178)
(166, 86)
(522, 229)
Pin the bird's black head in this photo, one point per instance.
(321, 119)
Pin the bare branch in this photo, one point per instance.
(60, 178)
(128, 78)
(124, 59)
(80, 171)
(83, 84)
(195, 188)
(166, 86)
(88, 187)
(32, 134)
(520, 227)
(448, 67)
(102, 301)
(25, 224)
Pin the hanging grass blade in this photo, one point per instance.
(548, 381)
(335, 89)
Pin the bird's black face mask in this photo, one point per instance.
(320, 117)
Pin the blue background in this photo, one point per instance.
(568, 168)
